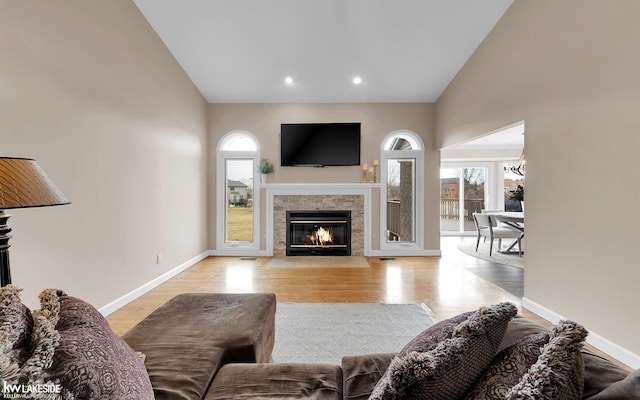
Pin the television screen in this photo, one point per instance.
(319, 145)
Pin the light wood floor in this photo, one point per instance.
(446, 288)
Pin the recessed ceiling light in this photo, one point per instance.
(288, 80)
(357, 80)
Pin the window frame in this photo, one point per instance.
(222, 155)
(418, 201)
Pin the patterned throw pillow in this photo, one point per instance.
(558, 374)
(90, 361)
(444, 361)
(508, 367)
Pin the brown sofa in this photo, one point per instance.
(603, 380)
(218, 346)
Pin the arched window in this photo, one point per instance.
(237, 197)
(402, 195)
(401, 140)
(238, 141)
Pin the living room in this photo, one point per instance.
(93, 94)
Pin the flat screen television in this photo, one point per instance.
(320, 145)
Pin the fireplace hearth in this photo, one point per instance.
(318, 233)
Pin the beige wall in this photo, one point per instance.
(378, 120)
(90, 92)
(570, 70)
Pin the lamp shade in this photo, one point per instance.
(24, 184)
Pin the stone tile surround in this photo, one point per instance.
(284, 203)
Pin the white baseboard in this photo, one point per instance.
(405, 253)
(598, 341)
(240, 253)
(134, 294)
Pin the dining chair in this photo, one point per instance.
(487, 227)
(496, 211)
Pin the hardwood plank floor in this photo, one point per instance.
(444, 284)
(445, 288)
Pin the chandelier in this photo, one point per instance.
(517, 168)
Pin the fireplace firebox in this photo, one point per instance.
(319, 233)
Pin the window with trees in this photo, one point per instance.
(463, 191)
(237, 206)
(402, 193)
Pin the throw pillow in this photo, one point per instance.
(90, 361)
(30, 340)
(508, 367)
(44, 341)
(16, 325)
(444, 362)
(558, 374)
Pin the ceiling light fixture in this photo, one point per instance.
(518, 167)
(288, 80)
(357, 80)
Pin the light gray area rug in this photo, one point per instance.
(483, 253)
(325, 332)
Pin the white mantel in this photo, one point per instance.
(319, 189)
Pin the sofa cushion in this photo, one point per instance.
(90, 361)
(190, 337)
(277, 381)
(600, 374)
(628, 388)
(518, 328)
(361, 373)
(439, 364)
(558, 374)
(508, 367)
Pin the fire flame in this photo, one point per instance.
(321, 236)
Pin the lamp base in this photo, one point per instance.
(5, 270)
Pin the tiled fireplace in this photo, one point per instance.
(354, 203)
(318, 233)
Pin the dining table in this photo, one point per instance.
(515, 220)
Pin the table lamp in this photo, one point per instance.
(22, 184)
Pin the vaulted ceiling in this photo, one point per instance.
(243, 50)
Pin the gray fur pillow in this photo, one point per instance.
(448, 368)
(16, 325)
(30, 340)
(558, 374)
